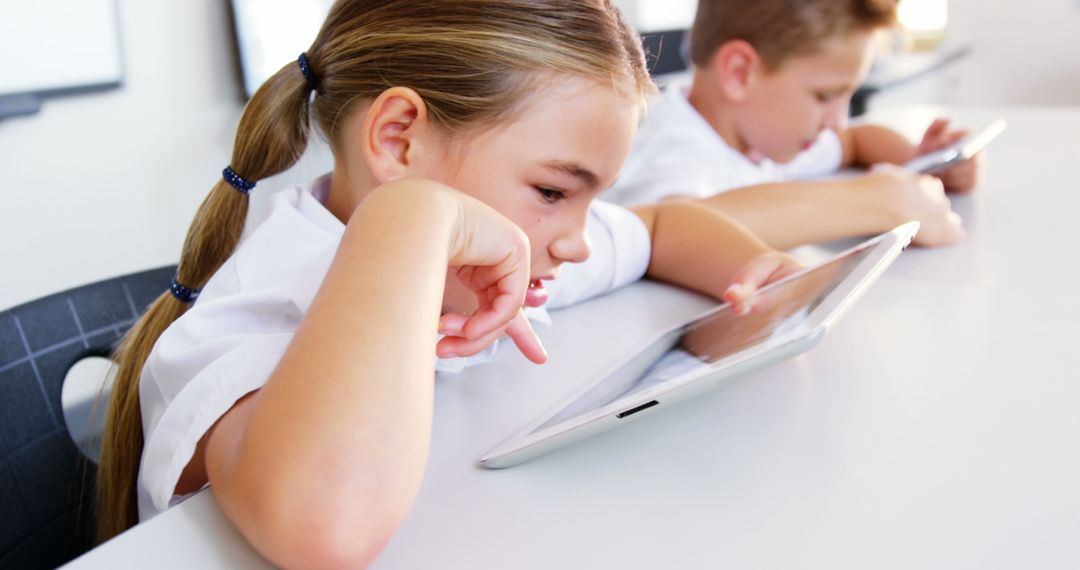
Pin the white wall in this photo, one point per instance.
(104, 184)
(658, 15)
(1023, 52)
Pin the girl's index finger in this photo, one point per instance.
(524, 337)
(502, 310)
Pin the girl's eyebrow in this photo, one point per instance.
(572, 169)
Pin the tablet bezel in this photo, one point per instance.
(524, 444)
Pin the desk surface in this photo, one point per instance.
(935, 427)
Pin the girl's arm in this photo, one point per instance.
(698, 247)
(319, 467)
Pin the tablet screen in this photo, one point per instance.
(777, 309)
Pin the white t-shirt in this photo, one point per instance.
(228, 343)
(677, 152)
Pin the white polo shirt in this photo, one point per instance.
(228, 343)
(677, 152)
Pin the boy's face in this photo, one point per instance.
(543, 169)
(786, 109)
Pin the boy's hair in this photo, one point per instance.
(780, 29)
(474, 62)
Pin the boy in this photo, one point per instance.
(768, 106)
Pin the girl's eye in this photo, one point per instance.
(549, 195)
(825, 97)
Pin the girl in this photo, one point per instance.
(470, 138)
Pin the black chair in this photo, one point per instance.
(46, 483)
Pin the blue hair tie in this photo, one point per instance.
(237, 181)
(305, 68)
(184, 294)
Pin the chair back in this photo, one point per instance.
(46, 483)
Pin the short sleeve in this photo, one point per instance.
(200, 367)
(621, 248)
(667, 175)
(230, 341)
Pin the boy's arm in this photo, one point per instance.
(789, 214)
(866, 145)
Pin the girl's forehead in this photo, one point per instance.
(576, 128)
(568, 107)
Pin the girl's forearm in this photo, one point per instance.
(696, 246)
(335, 443)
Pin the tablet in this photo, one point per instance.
(961, 150)
(788, 317)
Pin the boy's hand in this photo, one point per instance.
(938, 136)
(919, 197)
(964, 177)
(491, 257)
(755, 274)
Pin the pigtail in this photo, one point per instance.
(271, 137)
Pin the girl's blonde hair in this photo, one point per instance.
(471, 61)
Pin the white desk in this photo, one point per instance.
(937, 426)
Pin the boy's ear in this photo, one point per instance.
(393, 128)
(735, 65)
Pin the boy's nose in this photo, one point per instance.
(836, 116)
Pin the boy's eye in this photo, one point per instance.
(825, 97)
(549, 195)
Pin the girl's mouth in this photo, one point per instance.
(536, 295)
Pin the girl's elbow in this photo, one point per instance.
(326, 538)
(312, 530)
(346, 547)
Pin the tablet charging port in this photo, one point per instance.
(637, 409)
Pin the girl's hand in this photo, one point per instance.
(490, 255)
(963, 177)
(756, 273)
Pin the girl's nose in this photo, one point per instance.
(573, 247)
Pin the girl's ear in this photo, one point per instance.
(393, 130)
(735, 66)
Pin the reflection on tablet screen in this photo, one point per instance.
(778, 309)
